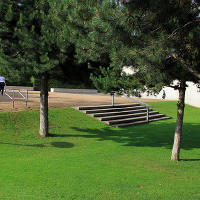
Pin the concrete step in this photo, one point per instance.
(113, 109)
(122, 115)
(140, 122)
(115, 117)
(106, 114)
(107, 106)
(130, 124)
(133, 119)
(162, 118)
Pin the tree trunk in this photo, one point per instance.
(179, 123)
(44, 124)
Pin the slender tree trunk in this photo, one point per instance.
(179, 123)
(44, 124)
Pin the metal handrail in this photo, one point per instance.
(140, 102)
(13, 96)
(25, 97)
(7, 95)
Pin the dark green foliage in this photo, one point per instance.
(114, 79)
(37, 33)
(38, 36)
(159, 39)
(31, 39)
(78, 16)
(10, 66)
(168, 43)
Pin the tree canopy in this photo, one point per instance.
(159, 39)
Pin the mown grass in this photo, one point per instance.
(88, 160)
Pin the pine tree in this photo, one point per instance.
(160, 39)
(170, 30)
(32, 36)
(38, 35)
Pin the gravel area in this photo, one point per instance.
(57, 100)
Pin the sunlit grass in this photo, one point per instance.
(85, 159)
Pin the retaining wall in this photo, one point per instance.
(74, 91)
(19, 88)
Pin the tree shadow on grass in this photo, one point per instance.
(72, 135)
(54, 144)
(25, 145)
(158, 134)
(189, 160)
(62, 144)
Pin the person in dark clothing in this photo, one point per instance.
(164, 95)
(2, 84)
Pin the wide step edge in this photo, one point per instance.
(139, 122)
(113, 117)
(113, 109)
(111, 122)
(107, 106)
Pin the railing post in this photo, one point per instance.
(147, 114)
(146, 105)
(26, 98)
(113, 95)
(13, 98)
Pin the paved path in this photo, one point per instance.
(58, 100)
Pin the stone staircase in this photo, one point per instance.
(121, 115)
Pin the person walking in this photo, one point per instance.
(164, 95)
(2, 84)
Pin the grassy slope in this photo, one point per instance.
(88, 160)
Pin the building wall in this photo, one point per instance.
(192, 96)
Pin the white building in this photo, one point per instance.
(192, 95)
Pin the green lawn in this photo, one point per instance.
(88, 160)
